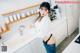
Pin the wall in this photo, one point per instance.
(71, 12)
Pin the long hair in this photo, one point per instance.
(52, 14)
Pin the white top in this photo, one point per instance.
(43, 27)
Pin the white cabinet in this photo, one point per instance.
(25, 49)
(35, 46)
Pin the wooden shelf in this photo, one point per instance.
(17, 20)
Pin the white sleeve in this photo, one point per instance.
(46, 27)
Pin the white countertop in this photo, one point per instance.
(18, 41)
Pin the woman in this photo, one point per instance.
(43, 23)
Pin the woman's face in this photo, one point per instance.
(43, 11)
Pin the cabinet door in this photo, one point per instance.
(37, 46)
(24, 49)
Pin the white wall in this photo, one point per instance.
(71, 12)
(13, 5)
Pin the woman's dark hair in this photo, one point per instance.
(46, 5)
(51, 12)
